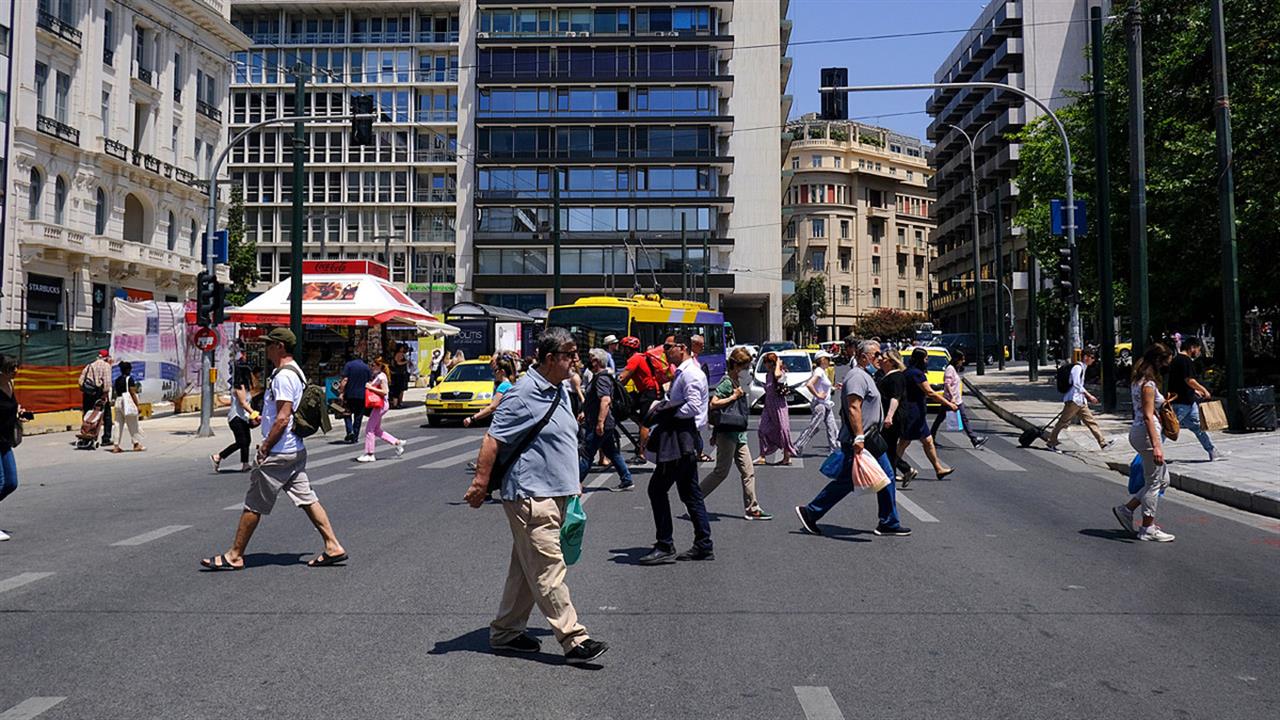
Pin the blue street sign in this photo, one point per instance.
(220, 242)
(1058, 217)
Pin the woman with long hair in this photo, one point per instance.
(775, 422)
(893, 392)
(126, 394)
(373, 429)
(399, 375)
(731, 445)
(240, 418)
(917, 426)
(1144, 436)
(12, 415)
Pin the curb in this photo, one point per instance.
(1254, 502)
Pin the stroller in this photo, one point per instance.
(91, 427)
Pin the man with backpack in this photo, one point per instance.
(599, 420)
(1076, 400)
(291, 410)
(641, 370)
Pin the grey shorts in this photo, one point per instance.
(284, 471)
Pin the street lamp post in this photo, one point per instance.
(977, 260)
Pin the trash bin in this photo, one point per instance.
(1258, 408)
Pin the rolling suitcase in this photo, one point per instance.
(1030, 435)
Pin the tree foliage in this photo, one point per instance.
(1183, 248)
(809, 301)
(886, 323)
(242, 254)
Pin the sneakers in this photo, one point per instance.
(522, 643)
(757, 514)
(1125, 516)
(366, 458)
(623, 487)
(215, 460)
(3, 536)
(907, 477)
(1053, 447)
(1155, 533)
(977, 444)
(637, 460)
(808, 523)
(400, 447)
(350, 439)
(1216, 454)
(886, 531)
(586, 651)
(1107, 445)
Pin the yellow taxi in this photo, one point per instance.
(467, 388)
(1124, 352)
(939, 357)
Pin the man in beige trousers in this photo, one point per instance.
(535, 487)
(1075, 403)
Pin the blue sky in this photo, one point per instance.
(879, 62)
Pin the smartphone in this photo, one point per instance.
(27, 415)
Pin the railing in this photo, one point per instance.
(154, 164)
(208, 110)
(438, 37)
(430, 195)
(424, 75)
(435, 156)
(144, 74)
(49, 126)
(53, 24)
(436, 116)
(115, 149)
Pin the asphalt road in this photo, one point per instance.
(1017, 596)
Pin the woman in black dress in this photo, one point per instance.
(893, 391)
(917, 425)
(399, 376)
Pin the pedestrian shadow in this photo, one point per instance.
(280, 559)
(838, 532)
(1114, 535)
(629, 556)
(477, 641)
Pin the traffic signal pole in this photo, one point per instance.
(299, 212)
(1106, 301)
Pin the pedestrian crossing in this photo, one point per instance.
(30, 708)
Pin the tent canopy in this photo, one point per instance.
(337, 299)
(480, 310)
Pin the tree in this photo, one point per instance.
(242, 254)
(806, 304)
(888, 323)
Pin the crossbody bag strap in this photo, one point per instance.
(495, 478)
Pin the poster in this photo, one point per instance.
(156, 340)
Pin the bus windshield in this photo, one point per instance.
(590, 325)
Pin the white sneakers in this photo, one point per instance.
(366, 458)
(400, 448)
(1154, 533)
(1125, 516)
(3, 536)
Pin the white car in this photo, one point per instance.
(799, 367)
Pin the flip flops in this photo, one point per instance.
(220, 563)
(326, 560)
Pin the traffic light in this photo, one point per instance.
(362, 124)
(1067, 286)
(206, 291)
(219, 303)
(835, 105)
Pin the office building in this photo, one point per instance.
(856, 211)
(396, 201)
(117, 112)
(1036, 45)
(640, 121)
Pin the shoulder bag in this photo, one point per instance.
(502, 465)
(1169, 425)
(872, 441)
(731, 417)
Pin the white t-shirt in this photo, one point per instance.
(1135, 393)
(823, 386)
(284, 385)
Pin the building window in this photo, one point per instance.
(845, 295)
(902, 299)
(919, 301)
(100, 213)
(791, 230)
(815, 161)
(37, 194)
(875, 264)
(845, 259)
(177, 77)
(173, 232)
(42, 81)
(62, 97)
(818, 228)
(818, 260)
(919, 238)
(195, 236)
(4, 40)
(875, 297)
(902, 236)
(844, 229)
(108, 36)
(795, 163)
(106, 113)
(839, 161)
(60, 201)
(910, 176)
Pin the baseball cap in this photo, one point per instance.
(282, 335)
(609, 340)
(104, 353)
(821, 354)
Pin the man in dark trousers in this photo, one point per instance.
(355, 375)
(95, 382)
(674, 445)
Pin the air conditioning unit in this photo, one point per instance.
(482, 35)
(661, 33)
(571, 34)
(584, 34)
(674, 33)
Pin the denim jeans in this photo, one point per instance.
(836, 490)
(682, 473)
(1189, 419)
(8, 473)
(355, 408)
(608, 442)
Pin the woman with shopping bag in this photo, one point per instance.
(375, 400)
(125, 389)
(953, 389)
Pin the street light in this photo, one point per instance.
(977, 262)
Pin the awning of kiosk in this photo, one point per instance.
(337, 299)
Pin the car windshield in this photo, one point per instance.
(480, 372)
(793, 364)
(778, 345)
(937, 363)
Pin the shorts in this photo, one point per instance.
(640, 404)
(283, 471)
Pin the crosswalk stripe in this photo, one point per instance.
(910, 506)
(411, 455)
(995, 460)
(325, 480)
(149, 536)
(30, 708)
(817, 703)
(18, 581)
(595, 481)
(446, 462)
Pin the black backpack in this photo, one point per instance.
(1063, 376)
(620, 407)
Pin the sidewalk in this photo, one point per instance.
(1249, 477)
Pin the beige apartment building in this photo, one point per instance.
(856, 209)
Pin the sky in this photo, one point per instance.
(875, 62)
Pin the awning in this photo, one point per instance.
(436, 328)
(336, 299)
(481, 310)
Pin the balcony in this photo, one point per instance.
(50, 22)
(429, 195)
(209, 110)
(144, 74)
(121, 152)
(435, 156)
(124, 259)
(65, 133)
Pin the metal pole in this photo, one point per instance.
(295, 264)
(706, 270)
(555, 231)
(1106, 301)
(832, 309)
(1233, 343)
(684, 260)
(1002, 328)
(1033, 334)
(1139, 306)
(977, 261)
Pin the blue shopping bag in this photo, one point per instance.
(833, 464)
(1136, 476)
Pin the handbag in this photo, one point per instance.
(372, 400)
(833, 464)
(1212, 416)
(1169, 426)
(505, 461)
(731, 417)
(955, 421)
(572, 529)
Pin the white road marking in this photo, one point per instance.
(817, 703)
(326, 480)
(237, 506)
(595, 481)
(446, 463)
(910, 506)
(18, 581)
(411, 455)
(149, 536)
(30, 708)
(995, 460)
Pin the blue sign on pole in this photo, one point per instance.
(220, 243)
(1058, 217)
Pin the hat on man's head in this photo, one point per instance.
(282, 335)
(104, 353)
(609, 340)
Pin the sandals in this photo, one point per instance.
(326, 560)
(116, 450)
(215, 460)
(220, 563)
